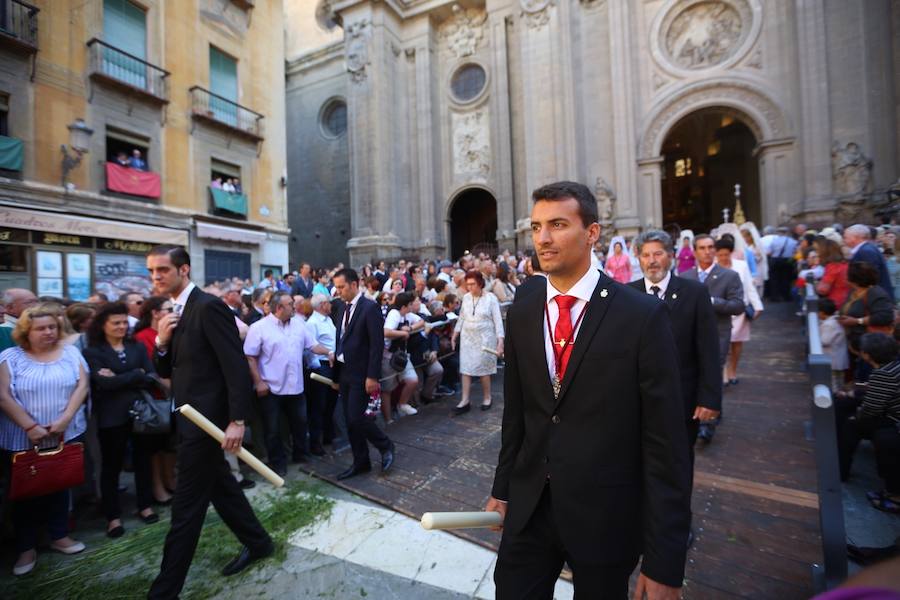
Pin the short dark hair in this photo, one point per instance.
(726, 242)
(880, 347)
(562, 190)
(258, 293)
(349, 275)
(95, 334)
(450, 300)
(862, 274)
(150, 304)
(702, 236)
(476, 275)
(101, 295)
(177, 254)
(275, 300)
(267, 272)
(403, 299)
(827, 306)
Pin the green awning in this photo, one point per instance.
(12, 153)
(234, 203)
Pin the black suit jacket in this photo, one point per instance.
(870, 254)
(696, 337)
(206, 362)
(112, 397)
(302, 288)
(613, 445)
(363, 345)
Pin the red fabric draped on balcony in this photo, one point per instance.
(132, 181)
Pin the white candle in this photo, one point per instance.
(461, 520)
(489, 350)
(323, 379)
(209, 427)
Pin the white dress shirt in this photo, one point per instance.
(583, 290)
(662, 285)
(324, 332)
(181, 299)
(278, 349)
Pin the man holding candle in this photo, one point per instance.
(198, 347)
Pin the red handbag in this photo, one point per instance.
(42, 472)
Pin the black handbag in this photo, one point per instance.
(399, 358)
(151, 415)
(750, 311)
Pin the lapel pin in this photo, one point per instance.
(674, 296)
(604, 293)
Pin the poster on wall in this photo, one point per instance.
(49, 264)
(115, 274)
(49, 286)
(78, 276)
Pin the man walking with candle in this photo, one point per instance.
(198, 347)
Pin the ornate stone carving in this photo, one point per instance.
(755, 61)
(325, 16)
(704, 35)
(593, 3)
(606, 201)
(357, 36)
(536, 12)
(471, 145)
(463, 31)
(659, 81)
(850, 168)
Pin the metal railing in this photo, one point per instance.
(210, 106)
(18, 20)
(833, 569)
(121, 67)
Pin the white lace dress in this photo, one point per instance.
(479, 326)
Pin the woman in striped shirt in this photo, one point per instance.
(43, 384)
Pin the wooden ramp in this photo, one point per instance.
(754, 502)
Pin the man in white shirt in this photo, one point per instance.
(274, 349)
(16, 300)
(322, 398)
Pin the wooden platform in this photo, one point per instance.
(754, 496)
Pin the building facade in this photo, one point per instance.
(454, 111)
(155, 104)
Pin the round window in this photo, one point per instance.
(334, 118)
(468, 82)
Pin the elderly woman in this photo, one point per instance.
(43, 384)
(868, 308)
(120, 368)
(480, 330)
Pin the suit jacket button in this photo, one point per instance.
(555, 419)
(546, 459)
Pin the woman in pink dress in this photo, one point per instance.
(618, 266)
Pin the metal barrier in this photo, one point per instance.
(833, 569)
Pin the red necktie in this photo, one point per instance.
(562, 333)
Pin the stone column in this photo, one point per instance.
(502, 134)
(368, 100)
(428, 153)
(624, 67)
(649, 191)
(777, 172)
(815, 118)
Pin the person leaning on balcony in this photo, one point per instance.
(122, 160)
(137, 162)
(228, 186)
(238, 189)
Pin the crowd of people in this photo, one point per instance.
(72, 371)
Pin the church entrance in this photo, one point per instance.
(705, 155)
(473, 223)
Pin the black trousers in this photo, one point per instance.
(529, 563)
(294, 408)
(322, 401)
(361, 429)
(203, 477)
(113, 446)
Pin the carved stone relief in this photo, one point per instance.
(463, 31)
(704, 35)
(536, 12)
(325, 16)
(850, 168)
(471, 145)
(606, 201)
(357, 36)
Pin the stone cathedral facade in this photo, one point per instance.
(420, 127)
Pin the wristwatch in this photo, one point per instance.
(859, 321)
(158, 343)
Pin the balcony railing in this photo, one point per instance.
(18, 25)
(221, 111)
(125, 70)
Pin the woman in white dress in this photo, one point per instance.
(762, 265)
(480, 326)
(740, 324)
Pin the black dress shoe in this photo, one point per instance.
(150, 519)
(487, 406)
(115, 532)
(243, 560)
(352, 471)
(387, 459)
(246, 484)
(461, 410)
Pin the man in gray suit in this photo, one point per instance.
(727, 294)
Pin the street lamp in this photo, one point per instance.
(79, 137)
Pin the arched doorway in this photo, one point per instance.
(473, 222)
(705, 154)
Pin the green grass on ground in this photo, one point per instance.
(125, 568)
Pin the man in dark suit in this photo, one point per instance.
(727, 295)
(593, 468)
(199, 349)
(303, 285)
(693, 326)
(257, 311)
(859, 239)
(360, 344)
